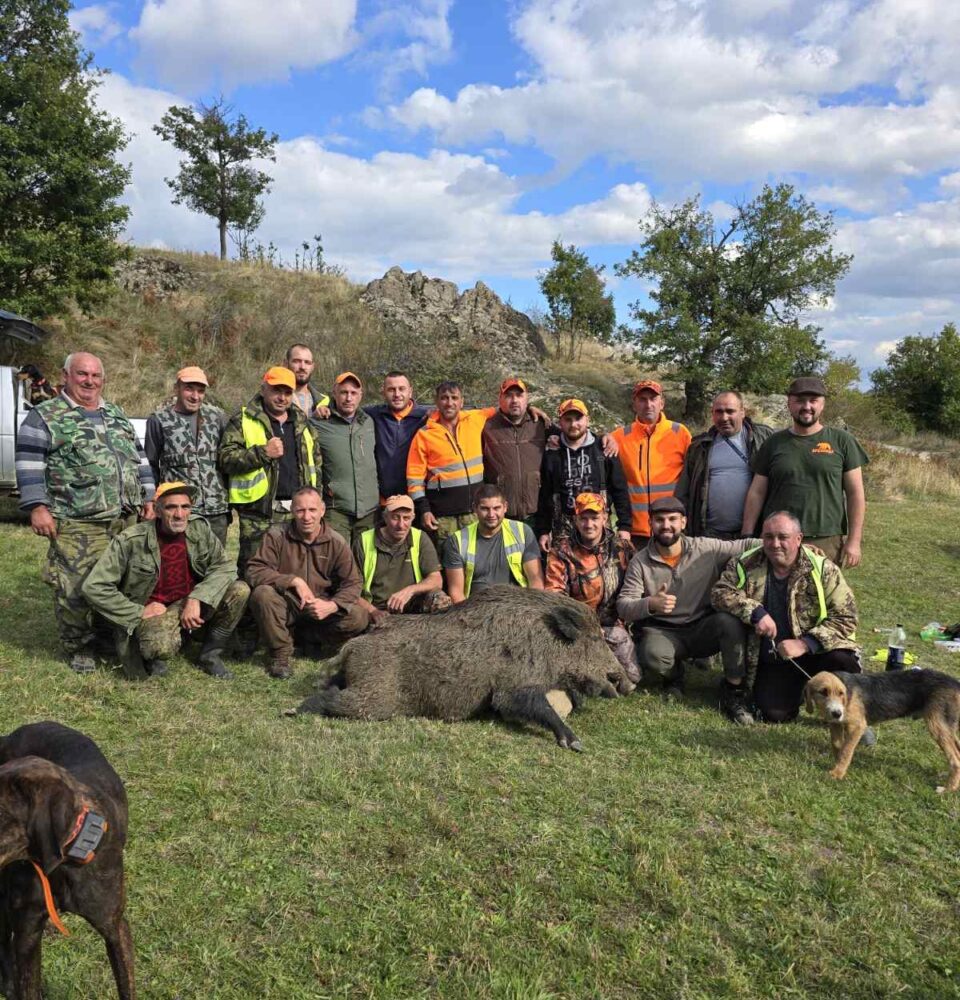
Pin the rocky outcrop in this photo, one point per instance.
(430, 307)
(152, 276)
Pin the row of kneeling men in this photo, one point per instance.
(776, 611)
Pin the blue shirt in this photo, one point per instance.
(728, 479)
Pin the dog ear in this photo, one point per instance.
(565, 622)
(51, 818)
(808, 701)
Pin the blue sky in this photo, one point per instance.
(462, 138)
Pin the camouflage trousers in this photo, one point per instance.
(252, 528)
(349, 528)
(450, 525)
(160, 637)
(70, 557)
(219, 523)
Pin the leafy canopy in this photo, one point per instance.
(216, 177)
(922, 376)
(579, 306)
(727, 300)
(59, 176)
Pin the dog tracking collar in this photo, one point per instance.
(85, 836)
(80, 845)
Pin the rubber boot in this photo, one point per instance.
(210, 660)
(734, 703)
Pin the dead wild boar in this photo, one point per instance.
(502, 650)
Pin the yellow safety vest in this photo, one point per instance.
(815, 560)
(248, 487)
(367, 541)
(512, 534)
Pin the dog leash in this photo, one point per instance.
(48, 900)
(788, 659)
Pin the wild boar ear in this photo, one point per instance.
(566, 623)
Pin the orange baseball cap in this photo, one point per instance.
(192, 374)
(399, 501)
(165, 488)
(513, 383)
(648, 383)
(572, 405)
(281, 376)
(589, 501)
(343, 376)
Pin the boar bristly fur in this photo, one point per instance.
(502, 650)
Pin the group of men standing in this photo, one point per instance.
(349, 512)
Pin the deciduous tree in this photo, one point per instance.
(216, 177)
(922, 377)
(59, 175)
(728, 299)
(580, 307)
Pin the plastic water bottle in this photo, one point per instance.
(896, 648)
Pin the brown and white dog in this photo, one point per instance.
(851, 702)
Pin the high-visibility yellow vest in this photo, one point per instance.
(815, 560)
(247, 487)
(368, 542)
(512, 534)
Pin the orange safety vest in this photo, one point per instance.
(440, 460)
(652, 462)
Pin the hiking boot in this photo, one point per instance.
(869, 738)
(156, 668)
(280, 667)
(734, 705)
(82, 663)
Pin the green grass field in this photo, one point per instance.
(677, 857)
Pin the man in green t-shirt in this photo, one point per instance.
(398, 565)
(814, 472)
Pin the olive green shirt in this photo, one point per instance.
(394, 566)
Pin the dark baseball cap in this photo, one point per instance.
(668, 505)
(809, 386)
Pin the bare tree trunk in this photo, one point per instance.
(223, 239)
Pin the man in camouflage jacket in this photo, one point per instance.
(182, 442)
(159, 580)
(83, 477)
(801, 611)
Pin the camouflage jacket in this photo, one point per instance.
(176, 455)
(836, 631)
(82, 469)
(235, 458)
(124, 577)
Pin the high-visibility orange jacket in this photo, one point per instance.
(444, 469)
(652, 460)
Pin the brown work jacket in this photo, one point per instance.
(326, 564)
(512, 454)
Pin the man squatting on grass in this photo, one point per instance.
(666, 593)
(161, 580)
(802, 615)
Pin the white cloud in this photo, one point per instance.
(453, 215)
(731, 88)
(408, 38)
(96, 24)
(884, 349)
(191, 43)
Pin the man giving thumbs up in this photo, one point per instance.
(666, 595)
